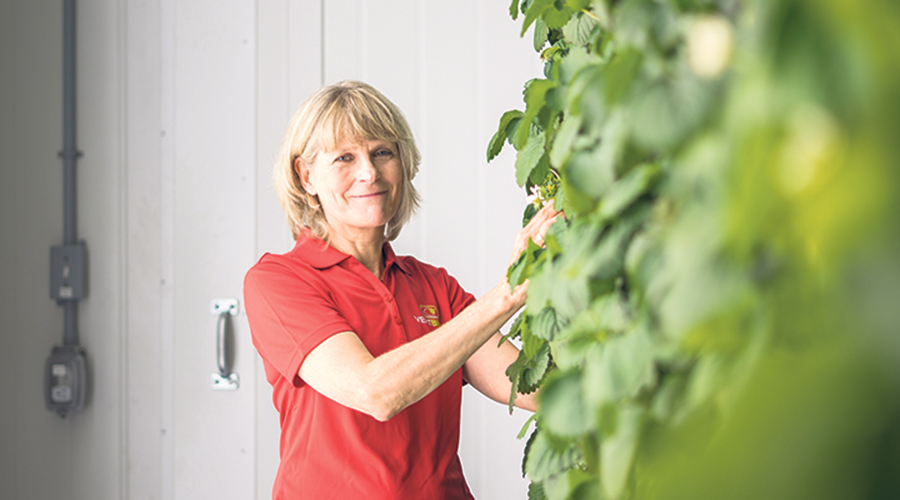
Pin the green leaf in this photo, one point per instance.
(536, 492)
(527, 374)
(571, 200)
(564, 408)
(543, 460)
(577, 5)
(577, 59)
(514, 9)
(564, 282)
(579, 29)
(628, 189)
(529, 157)
(617, 450)
(562, 486)
(609, 258)
(496, 144)
(585, 97)
(633, 22)
(669, 109)
(615, 134)
(619, 75)
(564, 139)
(514, 330)
(607, 316)
(590, 489)
(526, 426)
(553, 237)
(545, 325)
(534, 11)
(527, 450)
(588, 171)
(534, 101)
(618, 369)
(529, 213)
(557, 18)
(540, 171)
(535, 371)
(521, 268)
(531, 343)
(540, 35)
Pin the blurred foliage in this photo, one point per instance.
(717, 316)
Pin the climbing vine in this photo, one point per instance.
(713, 317)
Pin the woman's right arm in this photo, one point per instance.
(342, 369)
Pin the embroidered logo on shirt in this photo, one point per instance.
(429, 315)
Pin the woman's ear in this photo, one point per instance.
(302, 170)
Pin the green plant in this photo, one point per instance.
(716, 316)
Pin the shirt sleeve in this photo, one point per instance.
(289, 316)
(459, 298)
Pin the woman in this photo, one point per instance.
(367, 351)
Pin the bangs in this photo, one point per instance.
(352, 116)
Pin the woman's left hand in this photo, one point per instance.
(535, 230)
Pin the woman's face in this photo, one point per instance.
(358, 184)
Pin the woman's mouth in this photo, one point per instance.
(370, 195)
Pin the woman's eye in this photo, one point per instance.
(343, 158)
(384, 152)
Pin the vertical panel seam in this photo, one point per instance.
(123, 213)
(168, 28)
(255, 413)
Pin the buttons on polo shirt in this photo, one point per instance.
(388, 298)
(398, 320)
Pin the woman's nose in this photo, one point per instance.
(366, 170)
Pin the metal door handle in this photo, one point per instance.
(223, 380)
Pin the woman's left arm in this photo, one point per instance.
(486, 371)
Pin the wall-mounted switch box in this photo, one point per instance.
(68, 272)
(65, 380)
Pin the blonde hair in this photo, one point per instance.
(352, 111)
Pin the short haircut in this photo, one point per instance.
(352, 111)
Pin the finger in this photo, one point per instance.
(539, 218)
(542, 231)
(546, 225)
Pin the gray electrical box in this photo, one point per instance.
(65, 380)
(68, 272)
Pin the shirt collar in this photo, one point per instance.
(316, 252)
(391, 259)
(321, 255)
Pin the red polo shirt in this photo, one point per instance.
(297, 300)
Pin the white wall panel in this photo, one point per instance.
(448, 137)
(343, 36)
(214, 208)
(143, 251)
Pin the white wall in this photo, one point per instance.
(41, 456)
(181, 106)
